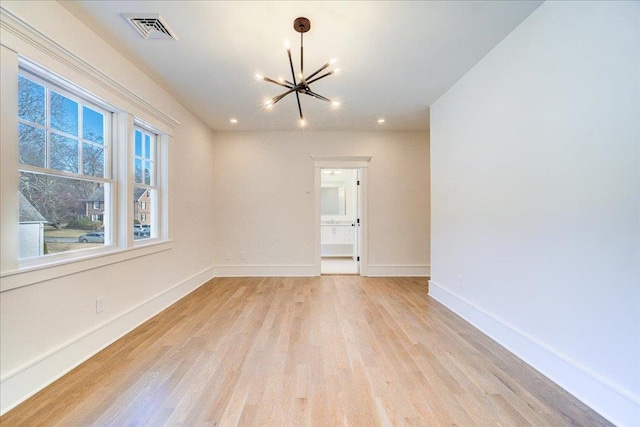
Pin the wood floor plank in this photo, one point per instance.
(330, 350)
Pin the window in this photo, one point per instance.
(64, 150)
(65, 147)
(72, 168)
(145, 177)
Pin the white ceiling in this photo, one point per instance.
(395, 58)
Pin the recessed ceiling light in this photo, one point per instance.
(233, 121)
(380, 121)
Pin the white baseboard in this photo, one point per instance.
(399, 270)
(264, 270)
(310, 270)
(618, 406)
(24, 382)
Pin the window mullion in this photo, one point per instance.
(124, 169)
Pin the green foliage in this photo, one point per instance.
(83, 223)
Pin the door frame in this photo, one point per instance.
(341, 162)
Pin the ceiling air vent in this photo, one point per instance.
(150, 25)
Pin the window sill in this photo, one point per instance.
(30, 275)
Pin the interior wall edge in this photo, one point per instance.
(23, 383)
(618, 406)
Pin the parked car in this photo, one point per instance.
(94, 237)
(138, 234)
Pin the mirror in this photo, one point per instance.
(333, 201)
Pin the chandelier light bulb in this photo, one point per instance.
(303, 123)
(333, 61)
(259, 76)
(337, 70)
(268, 103)
(286, 44)
(335, 103)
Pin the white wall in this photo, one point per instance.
(264, 191)
(48, 327)
(535, 198)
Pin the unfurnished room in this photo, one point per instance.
(319, 213)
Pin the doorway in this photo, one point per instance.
(340, 215)
(339, 221)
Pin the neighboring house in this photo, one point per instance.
(142, 206)
(94, 205)
(30, 229)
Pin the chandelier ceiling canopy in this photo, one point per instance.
(300, 85)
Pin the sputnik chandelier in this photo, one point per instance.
(301, 25)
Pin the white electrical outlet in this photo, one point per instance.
(459, 281)
(99, 305)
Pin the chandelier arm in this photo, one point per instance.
(267, 79)
(321, 77)
(312, 75)
(297, 87)
(315, 95)
(299, 106)
(282, 95)
(293, 73)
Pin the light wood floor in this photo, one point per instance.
(331, 350)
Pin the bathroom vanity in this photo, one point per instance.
(337, 239)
